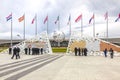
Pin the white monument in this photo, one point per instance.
(58, 36)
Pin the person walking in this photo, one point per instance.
(85, 51)
(14, 53)
(41, 50)
(29, 50)
(10, 50)
(17, 52)
(79, 51)
(75, 50)
(82, 51)
(111, 53)
(105, 52)
(26, 50)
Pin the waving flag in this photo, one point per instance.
(33, 20)
(118, 18)
(46, 19)
(9, 17)
(91, 19)
(21, 18)
(106, 15)
(78, 18)
(57, 20)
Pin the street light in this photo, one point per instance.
(97, 35)
(19, 36)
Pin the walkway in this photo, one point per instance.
(59, 67)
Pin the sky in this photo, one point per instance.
(61, 8)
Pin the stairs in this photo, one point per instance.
(38, 41)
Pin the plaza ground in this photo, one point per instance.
(63, 67)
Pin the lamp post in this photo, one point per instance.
(97, 34)
(19, 36)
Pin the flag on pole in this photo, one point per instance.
(46, 19)
(106, 15)
(91, 19)
(69, 20)
(78, 18)
(57, 20)
(9, 17)
(33, 20)
(21, 18)
(118, 18)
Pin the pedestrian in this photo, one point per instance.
(41, 50)
(38, 51)
(26, 50)
(17, 52)
(105, 52)
(14, 53)
(82, 51)
(32, 51)
(29, 50)
(10, 50)
(75, 50)
(111, 53)
(79, 51)
(85, 51)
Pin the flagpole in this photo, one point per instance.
(70, 24)
(47, 23)
(36, 25)
(24, 27)
(58, 23)
(11, 32)
(107, 27)
(94, 26)
(81, 25)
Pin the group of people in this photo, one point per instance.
(35, 51)
(80, 51)
(110, 51)
(16, 51)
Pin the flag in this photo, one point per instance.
(118, 18)
(78, 18)
(57, 20)
(21, 18)
(9, 17)
(33, 20)
(69, 20)
(91, 19)
(106, 15)
(46, 19)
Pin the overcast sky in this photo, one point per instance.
(62, 8)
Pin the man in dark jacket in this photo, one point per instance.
(29, 50)
(105, 52)
(10, 50)
(111, 53)
(14, 53)
(85, 51)
(26, 50)
(41, 50)
(75, 50)
(17, 52)
(82, 51)
(79, 51)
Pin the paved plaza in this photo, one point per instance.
(59, 67)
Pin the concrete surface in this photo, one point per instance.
(59, 67)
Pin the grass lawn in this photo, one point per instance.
(59, 49)
(3, 48)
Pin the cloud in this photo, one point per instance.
(100, 6)
(56, 8)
